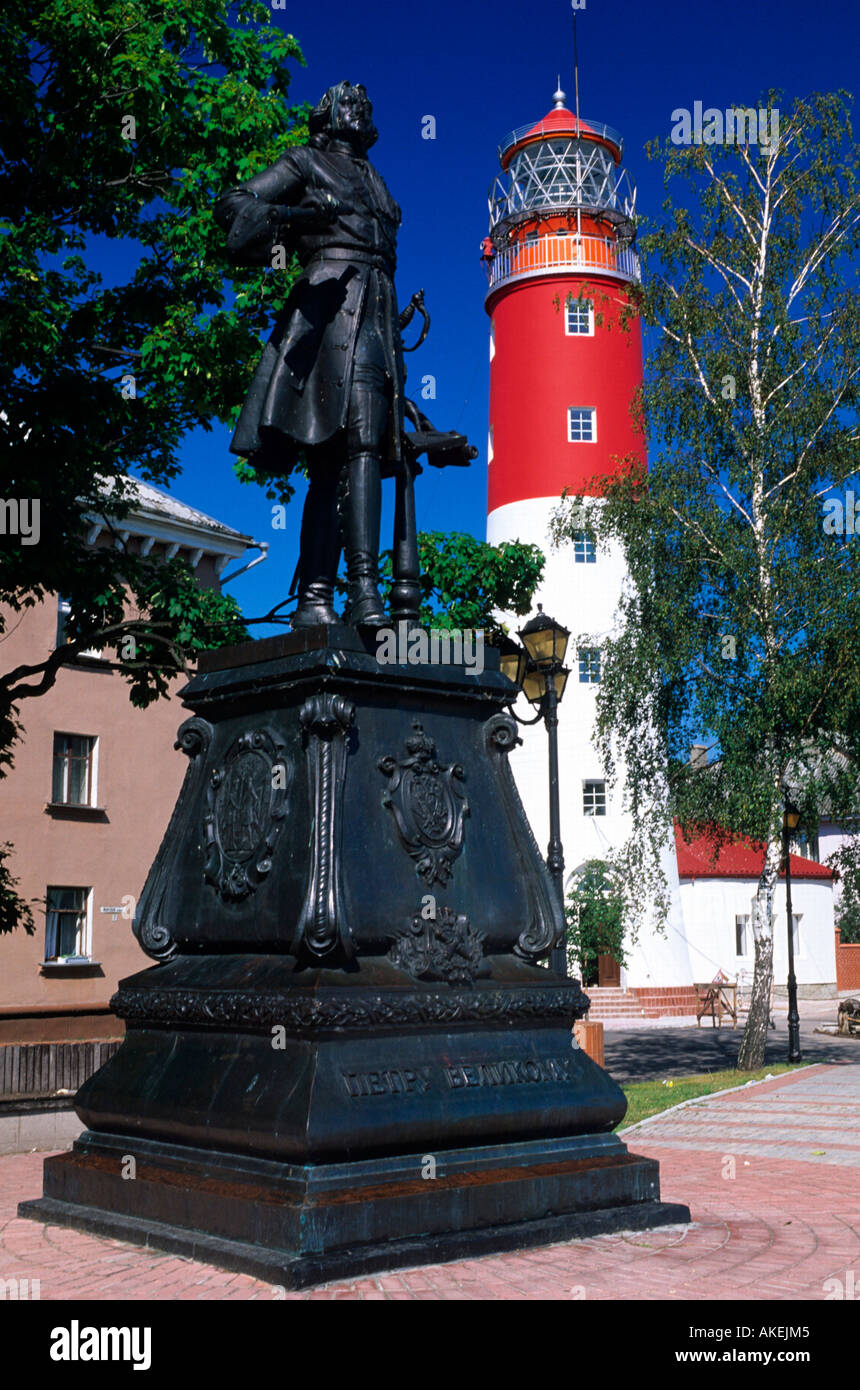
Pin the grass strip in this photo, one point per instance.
(646, 1098)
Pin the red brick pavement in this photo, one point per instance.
(779, 1228)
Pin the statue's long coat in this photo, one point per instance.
(302, 384)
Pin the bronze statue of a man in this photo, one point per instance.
(331, 379)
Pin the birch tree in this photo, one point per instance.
(738, 627)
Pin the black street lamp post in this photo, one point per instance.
(790, 821)
(537, 668)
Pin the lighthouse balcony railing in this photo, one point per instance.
(555, 253)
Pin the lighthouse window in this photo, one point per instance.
(594, 798)
(589, 665)
(584, 550)
(581, 425)
(579, 317)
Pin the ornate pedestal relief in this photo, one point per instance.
(247, 800)
(427, 802)
(321, 930)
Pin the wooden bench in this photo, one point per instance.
(716, 999)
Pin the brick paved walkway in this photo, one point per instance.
(786, 1221)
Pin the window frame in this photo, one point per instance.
(91, 773)
(582, 410)
(83, 929)
(579, 332)
(588, 658)
(581, 541)
(588, 786)
(796, 919)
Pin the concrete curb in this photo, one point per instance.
(712, 1095)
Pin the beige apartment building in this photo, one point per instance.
(89, 797)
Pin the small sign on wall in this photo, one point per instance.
(125, 908)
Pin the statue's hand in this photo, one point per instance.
(322, 205)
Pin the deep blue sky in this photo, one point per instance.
(482, 69)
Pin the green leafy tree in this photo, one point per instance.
(595, 915)
(846, 861)
(122, 122)
(741, 620)
(466, 582)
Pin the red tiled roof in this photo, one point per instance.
(741, 859)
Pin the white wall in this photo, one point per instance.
(710, 906)
(583, 597)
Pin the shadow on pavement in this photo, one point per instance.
(648, 1054)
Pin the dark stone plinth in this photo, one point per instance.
(349, 913)
(300, 1225)
(252, 1062)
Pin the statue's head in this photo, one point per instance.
(343, 113)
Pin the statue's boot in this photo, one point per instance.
(362, 508)
(318, 557)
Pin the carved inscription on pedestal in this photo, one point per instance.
(396, 1081)
(405, 1081)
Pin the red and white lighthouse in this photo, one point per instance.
(565, 365)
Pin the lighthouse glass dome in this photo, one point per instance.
(558, 174)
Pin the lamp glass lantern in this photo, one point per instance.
(534, 683)
(512, 660)
(790, 816)
(545, 640)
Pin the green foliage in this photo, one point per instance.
(14, 911)
(646, 1098)
(595, 916)
(207, 86)
(847, 916)
(123, 121)
(739, 629)
(464, 580)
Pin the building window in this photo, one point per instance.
(589, 665)
(584, 551)
(490, 445)
(594, 798)
(805, 843)
(579, 317)
(492, 339)
(795, 932)
(74, 779)
(67, 926)
(581, 425)
(64, 608)
(742, 926)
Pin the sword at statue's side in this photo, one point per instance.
(444, 448)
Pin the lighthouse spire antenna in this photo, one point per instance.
(575, 70)
(576, 100)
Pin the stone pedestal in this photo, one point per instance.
(348, 1056)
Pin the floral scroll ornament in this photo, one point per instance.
(427, 802)
(445, 947)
